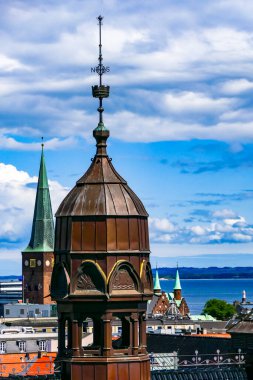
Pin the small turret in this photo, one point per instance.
(177, 288)
(157, 285)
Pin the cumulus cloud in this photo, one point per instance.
(236, 86)
(224, 226)
(17, 198)
(181, 55)
(195, 102)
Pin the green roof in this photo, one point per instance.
(157, 285)
(177, 282)
(203, 317)
(42, 237)
(171, 296)
(178, 302)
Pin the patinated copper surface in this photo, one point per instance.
(102, 271)
(101, 191)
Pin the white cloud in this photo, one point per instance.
(17, 203)
(236, 86)
(198, 230)
(230, 229)
(9, 64)
(195, 102)
(161, 224)
(180, 53)
(224, 213)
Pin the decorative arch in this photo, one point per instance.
(89, 279)
(124, 278)
(60, 282)
(146, 276)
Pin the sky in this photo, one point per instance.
(180, 116)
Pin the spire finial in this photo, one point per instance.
(100, 91)
(42, 143)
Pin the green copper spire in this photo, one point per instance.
(42, 237)
(157, 285)
(177, 282)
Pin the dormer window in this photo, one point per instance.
(2, 347)
(22, 345)
(42, 345)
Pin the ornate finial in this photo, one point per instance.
(42, 142)
(100, 91)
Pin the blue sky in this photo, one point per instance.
(180, 116)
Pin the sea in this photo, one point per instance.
(197, 292)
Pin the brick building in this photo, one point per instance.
(38, 257)
(168, 304)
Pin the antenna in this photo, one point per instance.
(100, 91)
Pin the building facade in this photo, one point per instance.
(171, 305)
(29, 310)
(38, 257)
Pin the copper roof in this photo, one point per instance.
(42, 236)
(101, 190)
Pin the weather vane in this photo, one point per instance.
(100, 91)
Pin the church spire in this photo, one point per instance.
(157, 285)
(177, 287)
(177, 282)
(42, 236)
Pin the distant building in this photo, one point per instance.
(38, 257)
(10, 291)
(172, 305)
(28, 310)
(244, 307)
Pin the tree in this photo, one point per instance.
(219, 309)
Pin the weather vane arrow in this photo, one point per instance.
(100, 91)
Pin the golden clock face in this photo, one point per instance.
(32, 263)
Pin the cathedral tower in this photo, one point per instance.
(38, 257)
(102, 270)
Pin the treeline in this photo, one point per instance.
(206, 273)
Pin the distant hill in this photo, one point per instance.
(10, 278)
(206, 273)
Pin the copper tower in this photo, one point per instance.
(102, 271)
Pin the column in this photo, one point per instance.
(143, 334)
(75, 338)
(135, 324)
(107, 334)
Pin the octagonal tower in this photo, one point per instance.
(102, 271)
